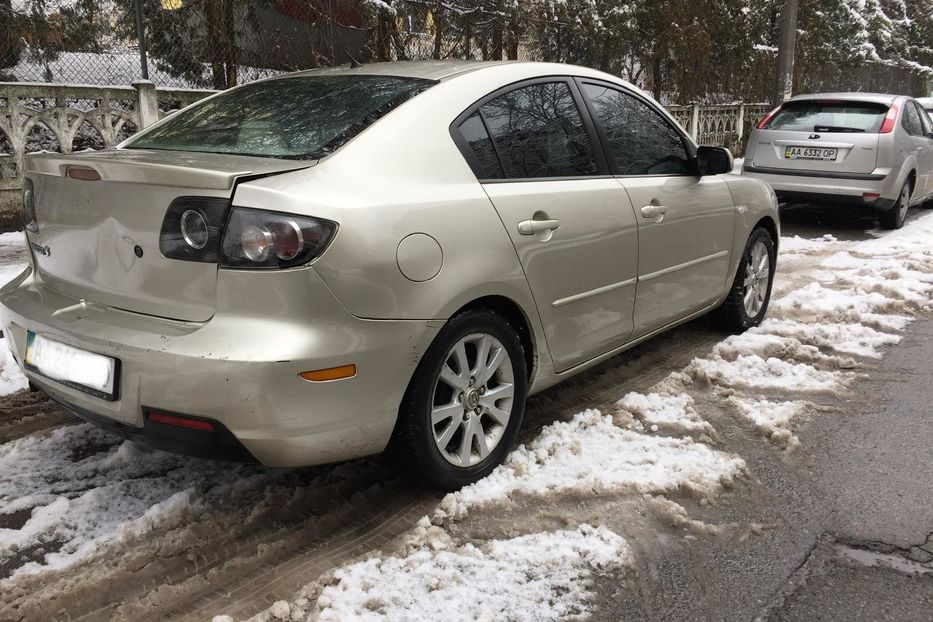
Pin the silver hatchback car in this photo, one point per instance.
(319, 266)
(846, 148)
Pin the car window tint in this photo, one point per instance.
(539, 132)
(828, 116)
(911, 120)
(641, 140)
(925, 119)
(294, 117)
(475, 134)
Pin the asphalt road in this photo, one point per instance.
(840, 530)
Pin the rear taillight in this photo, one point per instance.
(29, 207)
(192, 228)
(887, 126)
(766, 118)
(260, 239)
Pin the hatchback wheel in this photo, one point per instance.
(747, 302)
(894, 218)
(465, 402)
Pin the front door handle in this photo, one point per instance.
(532, 227)
(654, 212)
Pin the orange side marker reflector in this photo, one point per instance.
(84, 174)
(332, 373)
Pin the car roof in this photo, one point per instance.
(877, 98)
(926, 102)
(427, 69)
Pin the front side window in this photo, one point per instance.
(539, 132)
(296, 117)
(642, 142)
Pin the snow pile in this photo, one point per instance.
(542, 576)
(590, 454)
(81, 487)
(671, 414)
(13, 255)
(11, 378)
(773, 419)
(851, 304)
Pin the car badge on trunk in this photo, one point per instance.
(41, 250)
(814, 136)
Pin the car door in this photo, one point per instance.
(918, 126)
(572, 225)
(685, 221)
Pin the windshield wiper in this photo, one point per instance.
(835, 128)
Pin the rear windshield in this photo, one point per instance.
(820, 116)
(301, 117)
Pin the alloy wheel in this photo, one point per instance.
(757, 272)
(473, 399)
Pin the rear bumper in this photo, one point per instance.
(815, 198)
(239, 369)
(829, 189)
(217, 444)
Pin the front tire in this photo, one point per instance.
(464, 404)
(895, 217)
(747, 302)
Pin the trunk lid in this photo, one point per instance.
(820, 135)
(89, 229)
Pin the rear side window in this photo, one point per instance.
(924, 119)
(911, 120)
(829, 116)
(539, 132)
(300, 117)
(641, 140)
(476, 136)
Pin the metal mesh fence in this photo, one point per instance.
(219, 43)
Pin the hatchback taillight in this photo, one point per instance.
(890, 119)
(767, 117)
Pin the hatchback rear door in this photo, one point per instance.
(825, 135)
(920, 136)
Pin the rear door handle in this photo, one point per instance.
(655, 212)
(531, 227)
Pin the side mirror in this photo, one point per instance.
(714, 160)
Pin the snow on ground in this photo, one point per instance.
(13, 259)
(80, 487)
(671, 414)
(542, 576)
(853, 304)
(76, 489)
(591, 454)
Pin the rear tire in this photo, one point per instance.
(895, 217)
(464, 404)
(747, 302)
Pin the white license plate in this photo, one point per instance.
(85, 371)
(810, 153)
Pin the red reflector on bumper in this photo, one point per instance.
(870, 196)
(181, 422)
